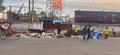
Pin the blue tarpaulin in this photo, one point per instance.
(96, 35)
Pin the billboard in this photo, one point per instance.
(57, 4)
(101, 17)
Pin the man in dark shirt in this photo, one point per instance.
(88, 32)
(84, 32)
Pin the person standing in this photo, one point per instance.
(5, 28)
(84, 32)
(106, 33)
(92, 33)
(113, 32)
(76, 30)
(59, 31)
(69, 31)
(88, 33)
(10, 29)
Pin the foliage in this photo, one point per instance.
(69, 22)
(43, 14)
(10, 14)
(2, 7)
(33, 15)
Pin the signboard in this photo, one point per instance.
(97, 17)
(56, 26)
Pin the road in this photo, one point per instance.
(59, 47)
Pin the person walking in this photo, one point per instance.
(106, 33)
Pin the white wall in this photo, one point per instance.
(3, 16)
(25, 26)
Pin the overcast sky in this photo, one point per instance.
(71, 5)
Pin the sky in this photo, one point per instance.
(69, 6)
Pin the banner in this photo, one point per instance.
(57, 4)
(97, 17)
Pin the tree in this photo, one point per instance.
(43, 14)
(33, 16)
(9, 15)
(69, 22)
(13, 16)
(1, 6)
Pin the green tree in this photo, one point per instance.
(33, 16)
(43, 14)
(2, 7)
(10, 15)
(69, 22)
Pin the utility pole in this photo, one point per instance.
(32, 13)
(49, 8)
(10, 14)
(32, 4)
(29, 19)
(39, 10)
(32, 10)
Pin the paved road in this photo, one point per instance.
(59, 47)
